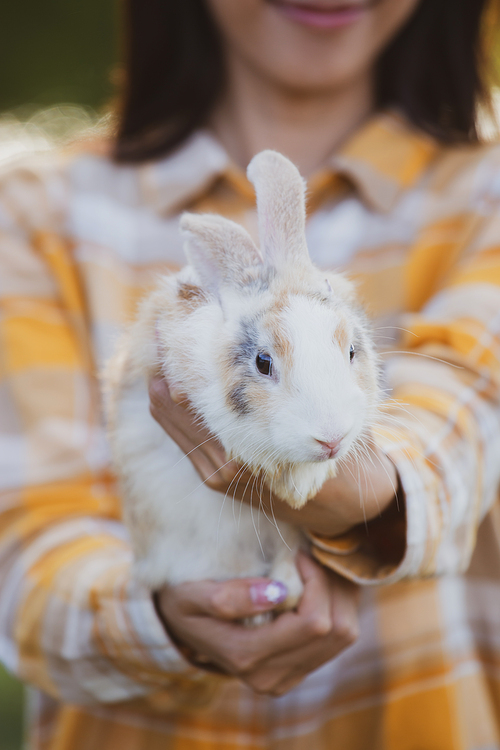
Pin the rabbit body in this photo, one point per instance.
(180, 529)
(275, 357)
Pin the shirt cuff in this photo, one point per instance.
(368, 554)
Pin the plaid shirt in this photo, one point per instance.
(418, 226)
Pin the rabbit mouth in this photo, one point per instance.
(329, 449)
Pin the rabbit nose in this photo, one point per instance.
(331, 447)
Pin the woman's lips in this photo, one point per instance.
(319, 16)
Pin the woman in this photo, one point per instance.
(376, 104)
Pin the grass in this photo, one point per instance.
(11, 712)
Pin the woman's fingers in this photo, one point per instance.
(273, 657)
(235, 599)
(325, 631)
(168, 412)
(329, 598)
(327, 612)
(204, 615)
(241, 598)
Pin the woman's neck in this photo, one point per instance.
(256, 114)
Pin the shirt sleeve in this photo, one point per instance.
(441, 426)
(72, 619)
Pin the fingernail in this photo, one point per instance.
(272, 592)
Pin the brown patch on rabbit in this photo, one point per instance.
(283, 347)
(192, 295)
(272, 323)
(341, 334)
(362, 375)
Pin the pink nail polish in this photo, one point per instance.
(268, 592)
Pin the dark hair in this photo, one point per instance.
(433, 71)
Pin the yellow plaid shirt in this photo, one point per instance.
(418, 226)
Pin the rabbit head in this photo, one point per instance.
(276, 354)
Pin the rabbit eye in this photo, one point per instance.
(264, 364)
(352, 352)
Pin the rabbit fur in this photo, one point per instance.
(203, 329)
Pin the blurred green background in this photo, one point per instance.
(11, 712)
(54, 51)
(51, 52)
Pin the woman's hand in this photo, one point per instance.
(358, 493)
(271, 658)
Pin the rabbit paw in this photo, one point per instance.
(285, 570)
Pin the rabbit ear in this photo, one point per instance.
(221, 251)
(281, 208)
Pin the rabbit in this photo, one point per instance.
(276, 358)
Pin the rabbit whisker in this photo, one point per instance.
(273, 515)
(427, 356)
(255, 528)
(186, 455)
(235, 478)
(202, 483)
(262, 506)
(396, 328)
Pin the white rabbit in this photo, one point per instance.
(276, 358)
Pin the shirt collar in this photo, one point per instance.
(169, 184)
(384, 158)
